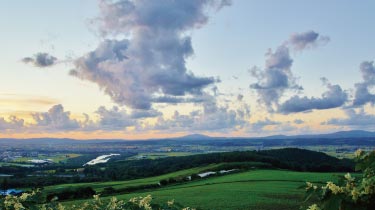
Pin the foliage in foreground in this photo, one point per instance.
(30, 201)
(350, 193)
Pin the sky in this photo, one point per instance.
(137, 69)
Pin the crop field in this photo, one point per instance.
(258, 189)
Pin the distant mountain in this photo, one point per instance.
(340, 134)
(352, 134)
(276, 137)
(195, 137)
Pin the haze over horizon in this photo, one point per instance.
(152, 69)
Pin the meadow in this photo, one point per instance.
(99, 186)
(256, 189)
(56, 158)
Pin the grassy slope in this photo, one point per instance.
(99, 186)
(260, 189)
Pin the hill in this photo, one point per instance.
(254, 189)
(290, 158)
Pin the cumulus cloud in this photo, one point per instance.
(334, 97)
(212, 117)
(354, 119)
(141, 114)
(12, 124)
(305, 40)
(267, 126)
(176, 100)
(298, 121)
(363, 94)
(276, 78)
(41, 60)
(55, 119)
(113, 119)
(151, 61)
(262, 124)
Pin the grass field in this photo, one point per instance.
(15, 164)
(55, 158)
(99, 186)
(156, 155)
(258, 189)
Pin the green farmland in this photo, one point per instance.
(99, 186)
(258, 189)
(55, 158)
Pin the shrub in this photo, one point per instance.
(30, 201)
(349, 193)
(78, 193)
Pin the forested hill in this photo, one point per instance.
(290, 158)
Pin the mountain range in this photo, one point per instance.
(194, 137)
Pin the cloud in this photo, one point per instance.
(354, 119)
(41, 60)
(268, 127)
(240, 97)
(176, 100)
(12, 124)
(113, 119)
(276, 78)
(298, 121)
(363, 93)
(212, 117)
(15, 100)
(305, 40)
(262, 124)
(55, 119)
(150, 63)
(332, 98)
(141, 114)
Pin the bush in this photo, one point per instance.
(108, 191)
(77, 193)
(350, 193)
(163, 182)
(30, 201)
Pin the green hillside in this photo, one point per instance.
(99, 186)
(258, 189)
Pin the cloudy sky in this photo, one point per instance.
(139, 69)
